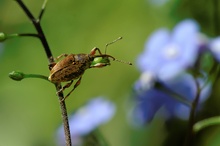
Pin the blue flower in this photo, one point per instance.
(167, 54)
(150, 101)
(86, 119)
(214, 47)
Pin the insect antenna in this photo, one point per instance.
(125, 62)
(112, 43)
(114, 59)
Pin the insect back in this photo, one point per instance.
(70, 68)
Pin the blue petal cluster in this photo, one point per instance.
(168, 54)
(214, 47)
(164, 84)
(175, 98)
(86, 119)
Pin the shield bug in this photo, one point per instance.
(73, 66)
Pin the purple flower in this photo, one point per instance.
(214, 47)
(167, 54)
(86, 119)
(150, 101)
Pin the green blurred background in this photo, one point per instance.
(29, 109)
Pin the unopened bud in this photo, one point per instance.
(3, 36)
(16, 75)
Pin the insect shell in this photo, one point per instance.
(74, 65)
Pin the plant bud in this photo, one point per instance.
(3, 36)
(16, 75)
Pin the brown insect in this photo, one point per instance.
(73, 66)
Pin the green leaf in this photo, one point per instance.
(206, 123)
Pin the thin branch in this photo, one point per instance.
(41, 36)
(28, 35)
(44, 42)
(64, 116)
(42, 10)
(190, 135)
(27, 12)
(9, 36)
(39, 30)
(36, 76)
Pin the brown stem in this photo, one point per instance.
(41, 36)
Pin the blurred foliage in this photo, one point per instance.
(205, 16)
(29, 110)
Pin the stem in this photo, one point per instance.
(215, 68)
(101, 138)
(36, 76)
(28, 35)
(42, 10)
(64, 116)
(10, 36)
(189, 137)
(41, 36)
(40, 32)
(95, 138)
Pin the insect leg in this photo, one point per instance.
(77, 84)
(93, 51)
(61, 56)
(67, 85)
(64, 87)
(51, 65)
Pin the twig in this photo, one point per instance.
(41, 36)
(42, 10)
(28, 35)
(190, 135)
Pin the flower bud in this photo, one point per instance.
(16, 75)
(3, 36)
